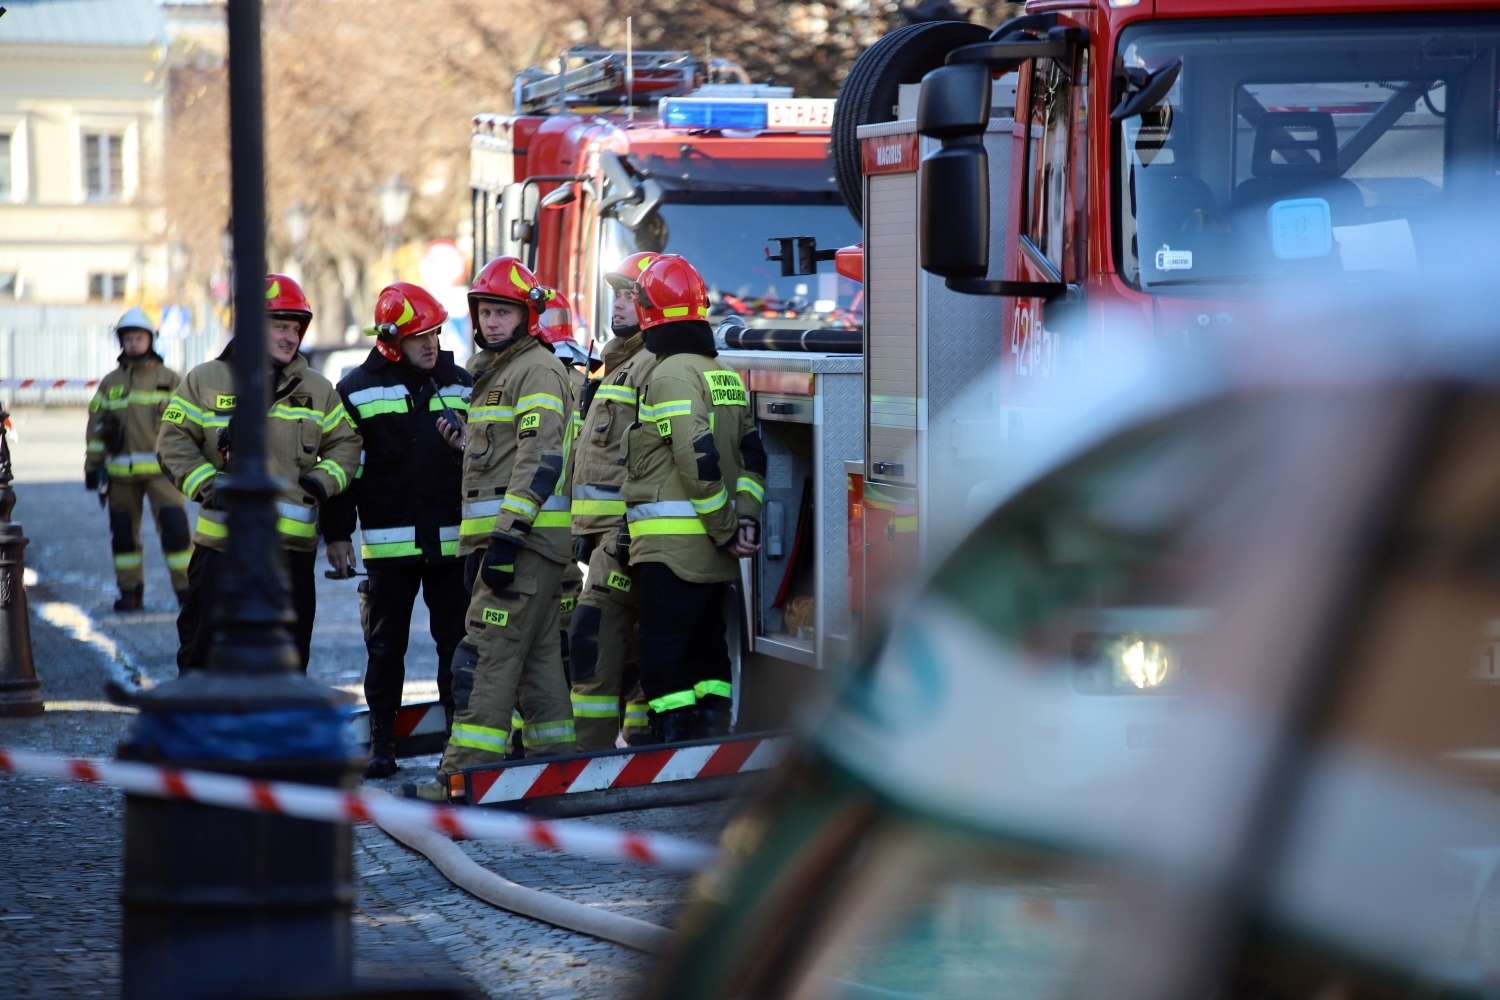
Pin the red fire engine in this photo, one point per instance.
(614, 152)
(1102, 172)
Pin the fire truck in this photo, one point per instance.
(613, 152)
(1095, 174)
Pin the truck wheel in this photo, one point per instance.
(871, 89)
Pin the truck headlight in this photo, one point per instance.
(1142, 663)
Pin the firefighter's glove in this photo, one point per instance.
(209, 498)
(314, 489)
(91, 479)
(498, 570)
(622, 546)
(583, 547)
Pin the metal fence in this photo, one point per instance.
(81, 352)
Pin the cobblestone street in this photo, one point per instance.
(60, 850)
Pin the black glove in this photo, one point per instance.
(208, 497)
(498, 570)
(314, 489)
(583, 547)
(622, 546)
(91, 479)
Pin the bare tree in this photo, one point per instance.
(360, 90)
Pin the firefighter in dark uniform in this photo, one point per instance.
(406, 497)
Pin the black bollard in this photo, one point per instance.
(221, 903)
(20, 691)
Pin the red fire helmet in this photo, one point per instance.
(404, 310)
(670, 290)
(285, 300)
(509, 280)
(628, 274)
(555, 325)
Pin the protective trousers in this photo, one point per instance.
(567, 603)
(603, 642)
(511, 655)
(127, 501)
(684, 658)
(388, 604)
(195, 622)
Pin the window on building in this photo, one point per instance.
(103, 174)
(106, 287)
(5, 183)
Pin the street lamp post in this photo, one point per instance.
(221, 903)
(395, 201)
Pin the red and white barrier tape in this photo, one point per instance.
(48, 383)
(330, 805)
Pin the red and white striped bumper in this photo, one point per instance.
(420, 729)
(524, 784)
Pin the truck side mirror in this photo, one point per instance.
(954, 107)
(633, 199)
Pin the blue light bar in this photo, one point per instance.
(688, 112)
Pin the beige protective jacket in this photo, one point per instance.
(134, 394)
(599, 453)
(308, 433)
(516, 451)
(687, 483)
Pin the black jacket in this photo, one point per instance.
(408, 491)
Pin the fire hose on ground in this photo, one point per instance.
(425, 827)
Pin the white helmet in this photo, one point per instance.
(135, 318)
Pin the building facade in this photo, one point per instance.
(82, 122)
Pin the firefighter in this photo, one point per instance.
(311, 446)
(694, 483)
(124, 416)
(406, 498)
(602, 640)
(515, 532)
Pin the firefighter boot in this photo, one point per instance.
(674, 726)
(713, 723)
(382, 745)
(431, 790)
(130, 598)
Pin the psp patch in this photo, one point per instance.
(496, 616)
(223, 402)
(619, 581)
(725, 389)
(531, 421)
(174, 414)
(567, 604)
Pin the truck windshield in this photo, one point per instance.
(726, 241)
(1343, 149)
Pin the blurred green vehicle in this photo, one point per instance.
(1208, 708)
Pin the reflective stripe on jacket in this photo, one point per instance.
(516, 451)
(405, 496)
(686, 484)
(308, 433)
(598, 469)
(134, 394)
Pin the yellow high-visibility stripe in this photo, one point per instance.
(667, 526)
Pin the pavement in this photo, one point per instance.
(59, 909)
